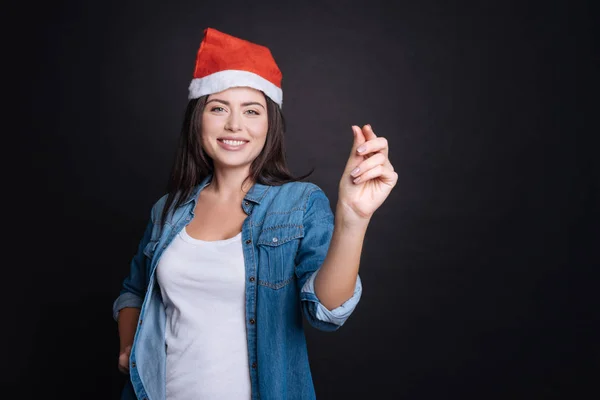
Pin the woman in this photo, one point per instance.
(239, 250)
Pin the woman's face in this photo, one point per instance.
(234, 126)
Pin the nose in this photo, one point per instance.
(233, 123)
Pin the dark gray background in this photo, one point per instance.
(479, 271)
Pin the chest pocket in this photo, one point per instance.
(277, 247)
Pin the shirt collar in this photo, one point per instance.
(256, 193)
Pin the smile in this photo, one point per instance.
(234, 142)
(229, 144)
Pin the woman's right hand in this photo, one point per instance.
(124, 360)
(128, 322)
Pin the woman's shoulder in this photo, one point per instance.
(297, 189)
(158, 207)
(299, 195)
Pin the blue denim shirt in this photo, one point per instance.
(285, 239)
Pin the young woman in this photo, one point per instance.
(238, 250)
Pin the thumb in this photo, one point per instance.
(359, 138)
(355, 158)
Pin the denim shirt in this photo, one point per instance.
(285, 239)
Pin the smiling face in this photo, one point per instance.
(234, 127)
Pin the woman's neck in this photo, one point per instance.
(226, 185)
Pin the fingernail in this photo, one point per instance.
(356, 180)
(361, 148)
(355, 171)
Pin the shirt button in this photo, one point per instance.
(253, 365)
(275, 240)
(246, 203)
(133, 364)
(140, 321)
(251, 279)
(252, 321)
(248, 241)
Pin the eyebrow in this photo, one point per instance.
(248, 103)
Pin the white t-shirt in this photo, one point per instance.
(203, 289)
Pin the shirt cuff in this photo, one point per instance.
(126, 299)
(340, 314)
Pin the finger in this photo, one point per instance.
(124, 368)
(379, 144)
(388, 164)
(379, 172)
(368, 132)
(369, 163)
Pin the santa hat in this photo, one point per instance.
(224, 61)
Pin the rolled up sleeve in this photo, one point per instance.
(338, 315)
(318, 230)
(124, 300)
(134, 285)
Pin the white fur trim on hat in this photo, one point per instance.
(222, 80)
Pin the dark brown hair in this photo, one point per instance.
(192, 164)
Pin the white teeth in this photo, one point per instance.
(234, 142)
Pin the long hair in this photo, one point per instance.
(192, 164)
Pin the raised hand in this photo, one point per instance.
(368, 178)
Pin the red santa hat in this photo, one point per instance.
(224, 61)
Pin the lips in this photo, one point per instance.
(231, 144)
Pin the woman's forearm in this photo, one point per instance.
(127, 322)
(336, 279)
